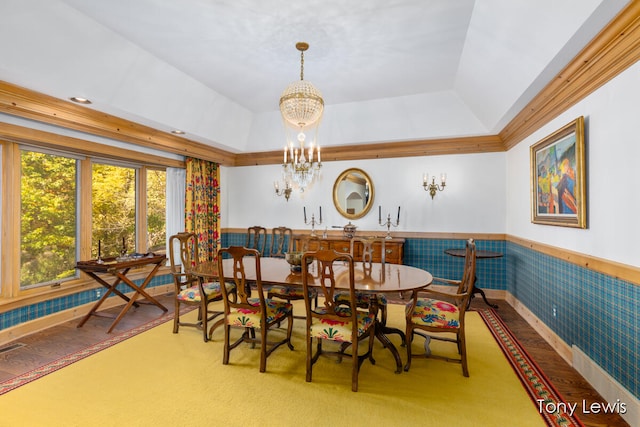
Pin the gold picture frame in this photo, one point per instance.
(558, 195)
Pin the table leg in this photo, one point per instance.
(386, 342)
(477, 290)
(111, 288)
(139, 290)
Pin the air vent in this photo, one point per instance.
(11, 347)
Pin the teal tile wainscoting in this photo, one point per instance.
(593, 311)
(44, 308)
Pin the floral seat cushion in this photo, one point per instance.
(250, 318)
(433, 312)
(289, 292)
(337, 330)
(362, 298)
(211, 289)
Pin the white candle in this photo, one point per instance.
(319, 161)
(425, 177)
(443, 178)
(285, 154)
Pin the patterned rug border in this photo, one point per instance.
(27, 377)
(530, 374)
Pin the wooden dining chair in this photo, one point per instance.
(332, 322)
(362, 250)
(281, 241)
(250, 313)
(257, 238)
(189, 290)
(291, 293)
(431, 313)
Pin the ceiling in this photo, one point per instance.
(387, 69)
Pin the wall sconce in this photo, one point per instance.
(286, 191)
(433, 187)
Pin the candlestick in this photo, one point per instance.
(99, 261)
(388, 223)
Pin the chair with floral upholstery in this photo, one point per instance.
(362, 249)
(250, 313)
(442, 312)
(343, 325)
(188, 288)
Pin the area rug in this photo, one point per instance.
(155, 377)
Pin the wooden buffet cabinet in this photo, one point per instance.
(393, 247)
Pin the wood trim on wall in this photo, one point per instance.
(618, 270)
(34, 137)
(22, 102)
(612, 51)
(387, 150)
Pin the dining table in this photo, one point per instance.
(378, 278)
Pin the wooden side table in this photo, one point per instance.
(120, 269)
(460, 253)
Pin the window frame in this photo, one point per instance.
(10, 292)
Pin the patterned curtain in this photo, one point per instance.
(202, 210)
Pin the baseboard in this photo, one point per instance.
(558, 344)
(617, 397)
(42, 323)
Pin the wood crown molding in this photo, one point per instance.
(613, 50)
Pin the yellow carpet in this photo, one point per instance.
(159, 378)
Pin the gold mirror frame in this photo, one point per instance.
(357, 177)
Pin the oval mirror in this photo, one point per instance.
(353, 193)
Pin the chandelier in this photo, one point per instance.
(301, 106)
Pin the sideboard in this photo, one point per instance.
(393, 247)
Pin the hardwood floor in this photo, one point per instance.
(48, 345)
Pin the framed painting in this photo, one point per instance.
(558, 177)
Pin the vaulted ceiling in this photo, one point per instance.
(389, 70)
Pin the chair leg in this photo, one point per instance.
(176, 317)
(204, 315)
(463, 354)
(263, 349)
(309, 356)
(226, 349)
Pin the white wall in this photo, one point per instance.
(612, 154)
(473, 200)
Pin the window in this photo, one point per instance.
(113, 200)
(48, 218)
(156, 209)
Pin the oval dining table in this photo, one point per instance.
(381, 278)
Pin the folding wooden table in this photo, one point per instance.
(119, 269)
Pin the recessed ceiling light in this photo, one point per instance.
(80, 100)
(177, 132)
